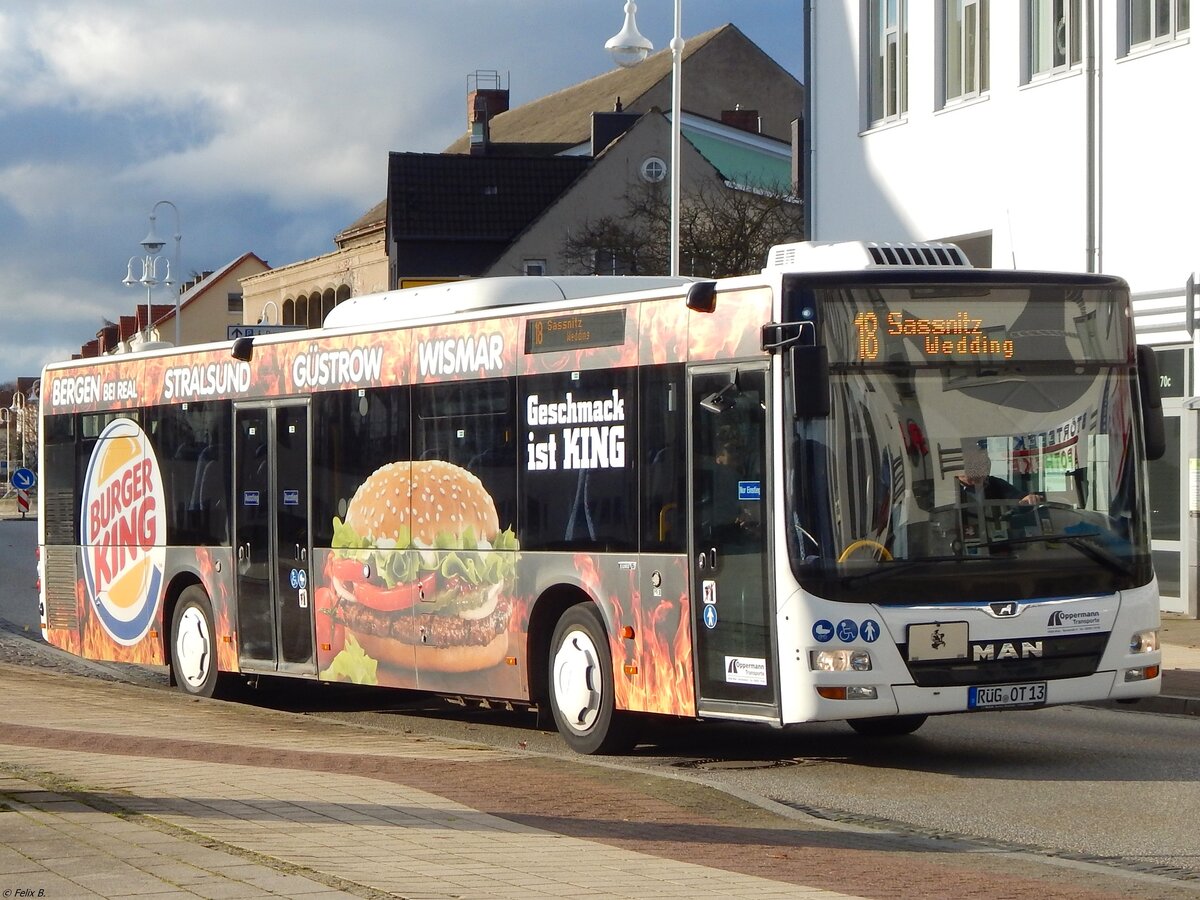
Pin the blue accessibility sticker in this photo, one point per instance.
(823, 630)
(710, 615)
(847, 630)
(869, 630)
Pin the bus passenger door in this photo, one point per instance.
(731, 587)
(271, 528)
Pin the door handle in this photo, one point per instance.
(243, 552)
(301, 553)
(707, 559)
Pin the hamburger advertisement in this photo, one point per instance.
(420, 578)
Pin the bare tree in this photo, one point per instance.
(723, 231)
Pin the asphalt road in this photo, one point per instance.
(1101, 784)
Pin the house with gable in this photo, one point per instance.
(501, 198)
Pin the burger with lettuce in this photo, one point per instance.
(420, 571)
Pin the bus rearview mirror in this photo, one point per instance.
(810, 381)
(1154, 429)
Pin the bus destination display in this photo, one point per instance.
(958, 337)
(575, 331)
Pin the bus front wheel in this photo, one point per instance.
(193, 644)
(581, 685)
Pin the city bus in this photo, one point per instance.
(871, 483)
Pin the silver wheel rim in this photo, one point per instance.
(577, 681)
(193, 648)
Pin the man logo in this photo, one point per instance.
(1004, 610)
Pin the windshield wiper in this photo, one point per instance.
(1075, 540)
(902, 565)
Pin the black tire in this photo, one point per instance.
(194, 645)
(887, 726)
(581, 686)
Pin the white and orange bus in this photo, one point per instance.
(871, 483)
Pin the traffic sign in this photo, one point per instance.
(22, 503)
(23, 479)
(233, 332)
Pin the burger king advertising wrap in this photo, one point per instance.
(123, 532)
(414, 582)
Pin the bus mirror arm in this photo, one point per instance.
(1153, 427)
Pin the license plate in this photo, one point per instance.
(998, 696)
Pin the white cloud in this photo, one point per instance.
(264, 120)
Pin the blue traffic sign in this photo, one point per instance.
(710, 616)
(23, 479)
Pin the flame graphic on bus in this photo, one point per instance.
(661, 649)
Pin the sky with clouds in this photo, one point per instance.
(266, 122)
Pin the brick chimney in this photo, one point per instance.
(745, 119)
(486, 99)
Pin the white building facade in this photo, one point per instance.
(1037, 134)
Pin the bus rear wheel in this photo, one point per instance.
(581, 686)
(193, 644)
(887, 726)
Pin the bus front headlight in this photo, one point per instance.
(1144, 641)
(839, 660)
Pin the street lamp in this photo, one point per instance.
(265, 319)
(152, 243)
(628, 48)
(149, 278)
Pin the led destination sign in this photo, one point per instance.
(575, 331)
(961, 336)
(968, 325)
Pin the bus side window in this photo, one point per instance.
(354, 433)
(472, 425)
(579, 461)
(664, 485)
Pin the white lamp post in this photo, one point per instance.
(628, 48)
(18, 409)
(6, 417)
(265, 319)
(152, 243)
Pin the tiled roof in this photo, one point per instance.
(477, 202)
(564, 118)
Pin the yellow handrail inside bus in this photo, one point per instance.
(866, 542)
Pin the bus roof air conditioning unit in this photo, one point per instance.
(851, 256)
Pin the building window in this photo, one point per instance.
(535, 267)
(234, 302)
(1055, 36)
(1152, 22)
(965, 48)
(654, 170)
(887, 59)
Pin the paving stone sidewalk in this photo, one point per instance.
(113, 790)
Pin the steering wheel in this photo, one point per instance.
(884, 554)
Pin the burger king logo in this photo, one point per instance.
(123, 531)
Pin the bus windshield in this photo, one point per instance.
(980, 444)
